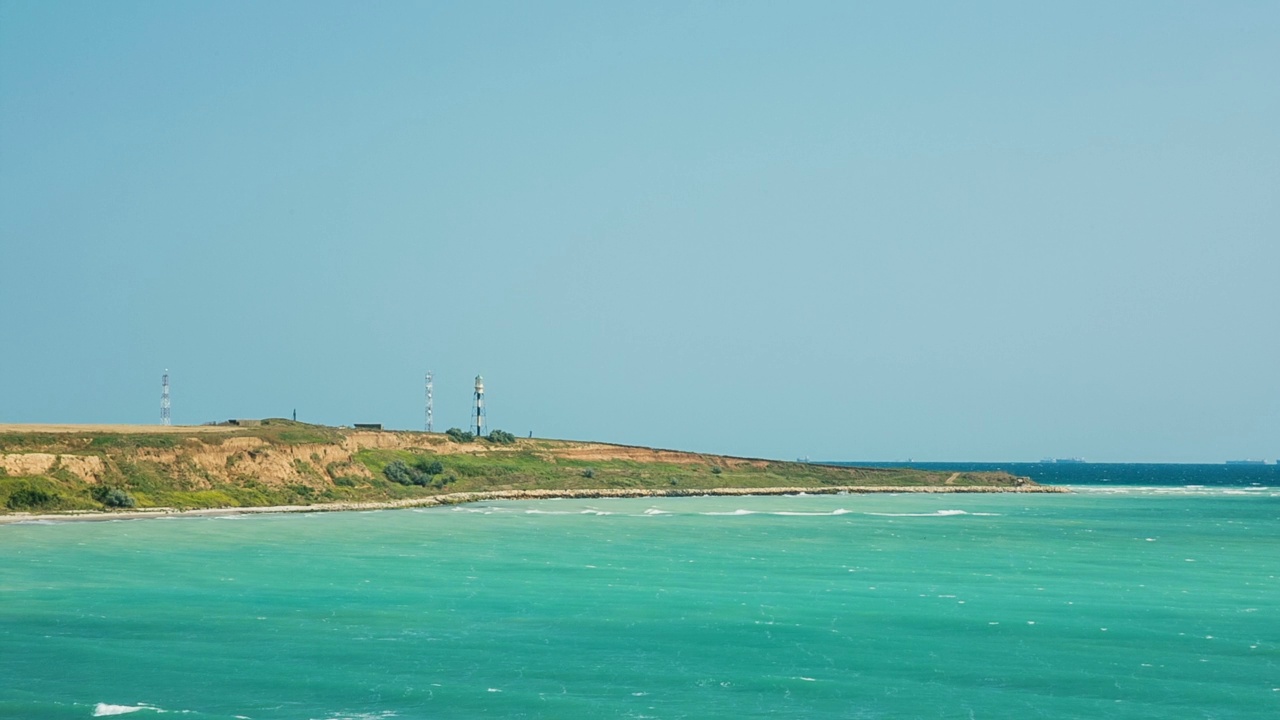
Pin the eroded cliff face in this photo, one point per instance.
(204, 460)
(89, 468)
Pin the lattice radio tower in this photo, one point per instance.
(164, 398)
(430, 407)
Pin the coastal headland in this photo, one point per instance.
(112, 471)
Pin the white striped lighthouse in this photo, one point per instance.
(477, 413)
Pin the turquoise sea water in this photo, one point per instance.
(1115, 603)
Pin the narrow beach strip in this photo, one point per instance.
(460, 498)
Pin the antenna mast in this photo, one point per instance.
(430, 408)
(164, 398)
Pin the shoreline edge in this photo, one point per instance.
(461, 498)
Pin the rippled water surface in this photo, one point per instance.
(1110, 602)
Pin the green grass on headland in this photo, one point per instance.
(527, 470)
(282, 462)
(274, 431)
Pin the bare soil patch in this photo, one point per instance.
(119, 429)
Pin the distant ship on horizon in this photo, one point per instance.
(1248, 462)
(1064, 461)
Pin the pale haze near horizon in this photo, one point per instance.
(832, 230)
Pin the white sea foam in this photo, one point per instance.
(840, 511)
(656, 511)
(936, 513)
(1182, 490)
(734, 512)
(105, 709)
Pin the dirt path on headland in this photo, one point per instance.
(123, 429)
(469, 497)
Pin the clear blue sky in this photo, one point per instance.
(841, 230)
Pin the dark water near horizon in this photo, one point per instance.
(1087, 473)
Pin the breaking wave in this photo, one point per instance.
(935, 513)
